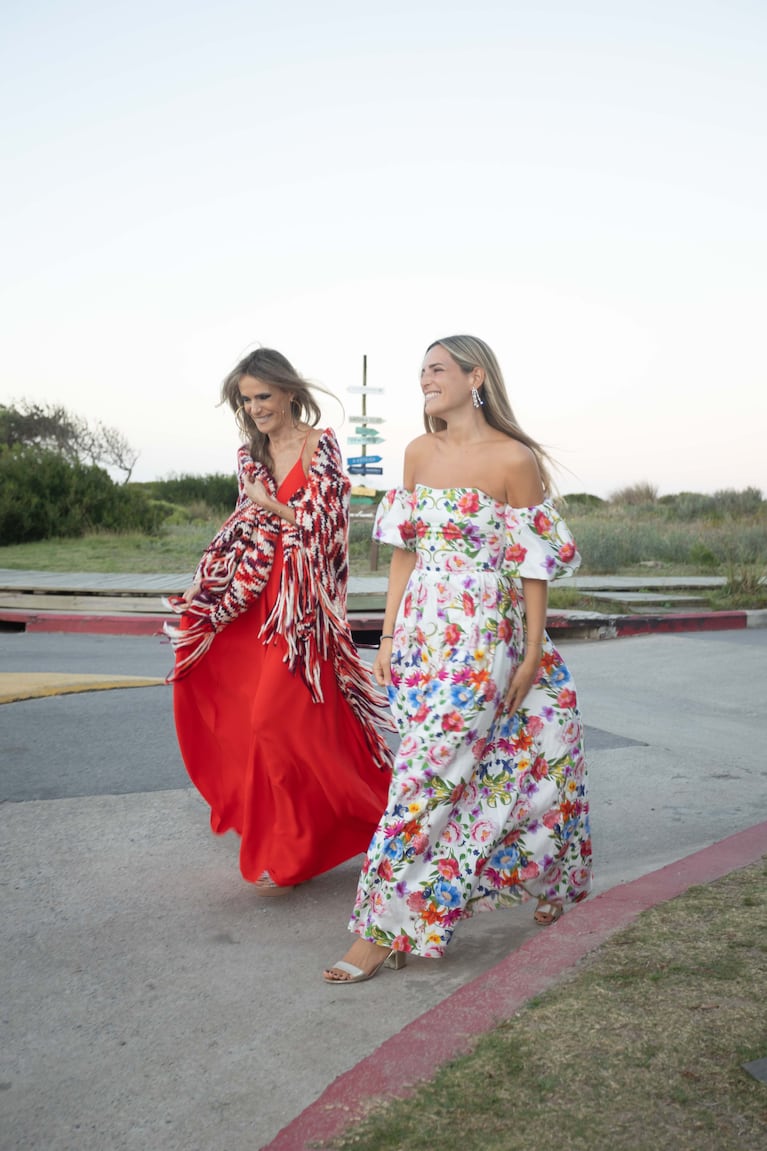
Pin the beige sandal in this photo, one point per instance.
(547, 913)
(265, 885)
(395, 960)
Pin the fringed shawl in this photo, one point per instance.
(310, 610)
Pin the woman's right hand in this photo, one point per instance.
(382, 663)
(190, 593)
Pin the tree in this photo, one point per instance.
(53, 428)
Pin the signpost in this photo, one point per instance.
(367, 435)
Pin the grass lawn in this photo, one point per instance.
(641, 1049)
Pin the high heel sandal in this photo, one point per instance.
(547, 913)
(265, 885)
(395, 960)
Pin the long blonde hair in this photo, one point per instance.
(469, 353)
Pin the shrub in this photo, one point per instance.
(733, 503)
(688, 505)
(611, 543)
(702, 556)
(635, 494)
(581, 502)
(43, 496)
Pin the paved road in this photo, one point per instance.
(57, 751)
(152, 1001)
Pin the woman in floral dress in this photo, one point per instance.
(488, 802)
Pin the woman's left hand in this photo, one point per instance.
(256, 492)
(521, 682)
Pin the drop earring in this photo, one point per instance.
(476, 398)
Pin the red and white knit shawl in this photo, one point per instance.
(310, 610)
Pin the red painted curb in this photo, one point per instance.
(682, 621)
(446, 1031)
(51, 621)
(614, 626)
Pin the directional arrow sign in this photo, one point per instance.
(363, 440)
(366, 391)
(352, 461)
(355, 470)
(366, 419)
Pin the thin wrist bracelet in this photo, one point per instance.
(385, 637)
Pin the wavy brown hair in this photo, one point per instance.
(469, 353)
(275, 370)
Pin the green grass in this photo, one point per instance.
(641, 1049)
(175, 549)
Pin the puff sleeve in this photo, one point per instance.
(539, 544)
(394, 519)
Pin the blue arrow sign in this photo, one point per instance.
(358, 470)
(352, 460)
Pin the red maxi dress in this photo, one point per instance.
(293, 777)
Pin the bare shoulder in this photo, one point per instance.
(313, 437)
(420, 448)
(522, 476)
(417, 453)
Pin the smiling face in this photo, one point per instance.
(444, 383)
(267, 406)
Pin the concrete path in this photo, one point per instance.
(153, 1001)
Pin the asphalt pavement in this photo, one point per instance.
(153, 1001)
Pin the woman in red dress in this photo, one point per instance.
(277, 717)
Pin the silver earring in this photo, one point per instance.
(476, 398)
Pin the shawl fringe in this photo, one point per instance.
(232, 573)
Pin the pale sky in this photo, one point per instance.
(582, 183)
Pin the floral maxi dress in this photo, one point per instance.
(485, 809)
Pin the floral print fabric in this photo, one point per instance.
(484, 809)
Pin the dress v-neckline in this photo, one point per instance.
(298, 463)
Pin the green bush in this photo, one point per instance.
(733, 503)
(725, 504)
(580, 502)
(612, 543)
(688, 505)
(702, 556)
(42, 496)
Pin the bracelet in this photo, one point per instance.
(385, 637)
